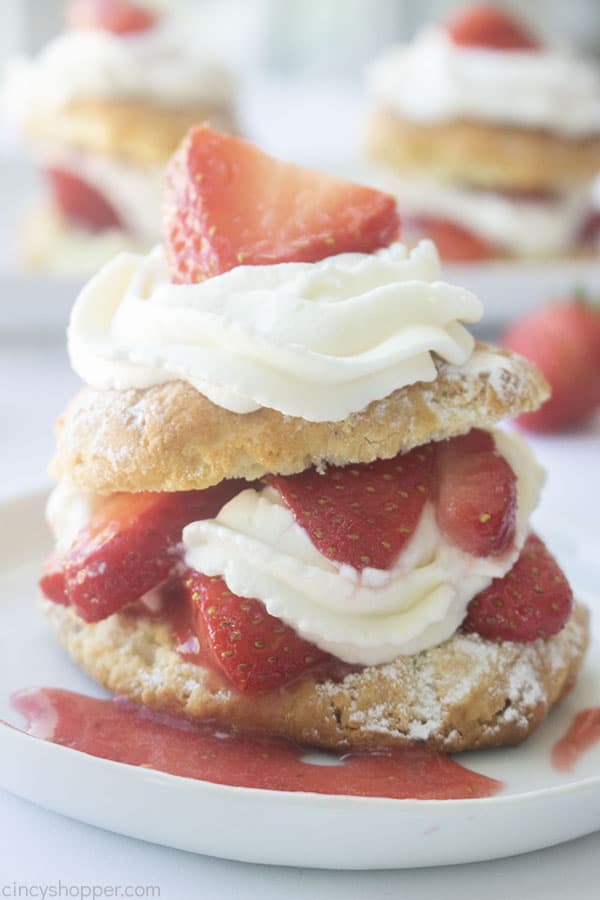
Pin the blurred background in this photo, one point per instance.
(304, 38)
(302, 55)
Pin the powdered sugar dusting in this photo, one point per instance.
(425, 695)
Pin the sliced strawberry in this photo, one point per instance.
(534, 600)
(454, 243)
(254, 649)
(476, 501)
(484, 25)
(361, 515)
(129, 546)
(227, 203)
(116, 16)
(79, 202)
(563, 340)
(52, 582)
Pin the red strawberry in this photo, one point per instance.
(483, 25)
(476, 494)
(589, 234)
(563, 339)
(454, 243)
(532, 601)
(254, 649)
(52, 582)
(79, 202)
(226, 203)
(117, 16)
(362, 515)
(129, 546)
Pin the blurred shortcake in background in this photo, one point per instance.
(489, 137)
(103, 107)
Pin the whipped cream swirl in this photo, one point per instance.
(316, 340)
(434, 80)
(161, 64)
(367, 617)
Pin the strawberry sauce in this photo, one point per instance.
(583, 733)
(120, 731)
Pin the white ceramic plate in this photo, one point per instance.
(538, 807)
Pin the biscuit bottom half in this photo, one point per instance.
(464, 694)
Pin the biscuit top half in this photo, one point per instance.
(283, 325)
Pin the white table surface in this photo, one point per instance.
(42, 848)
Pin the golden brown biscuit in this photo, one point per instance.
(132, 130)
(171, 438)
(464, 694)
(484, 154)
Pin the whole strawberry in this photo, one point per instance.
(563, 340)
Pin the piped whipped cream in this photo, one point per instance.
(161, 64)
(517, 225)
(316, 340)
(367, 617)
(434, 80)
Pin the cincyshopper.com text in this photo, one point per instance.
(61, 889)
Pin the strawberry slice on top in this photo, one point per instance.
(226, 203)
(253, 648)
(361, 515)
(484, 25)
(476, 494)
(117, 16)
(534, 600)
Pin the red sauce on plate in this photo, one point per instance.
(120, 731)
(582, 734)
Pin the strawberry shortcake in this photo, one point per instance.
(283, 503)
(489, 137)
(103, 107)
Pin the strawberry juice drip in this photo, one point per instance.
(582, 734)
(120, 731)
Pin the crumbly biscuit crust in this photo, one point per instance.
(171, 438)
(464, 694)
